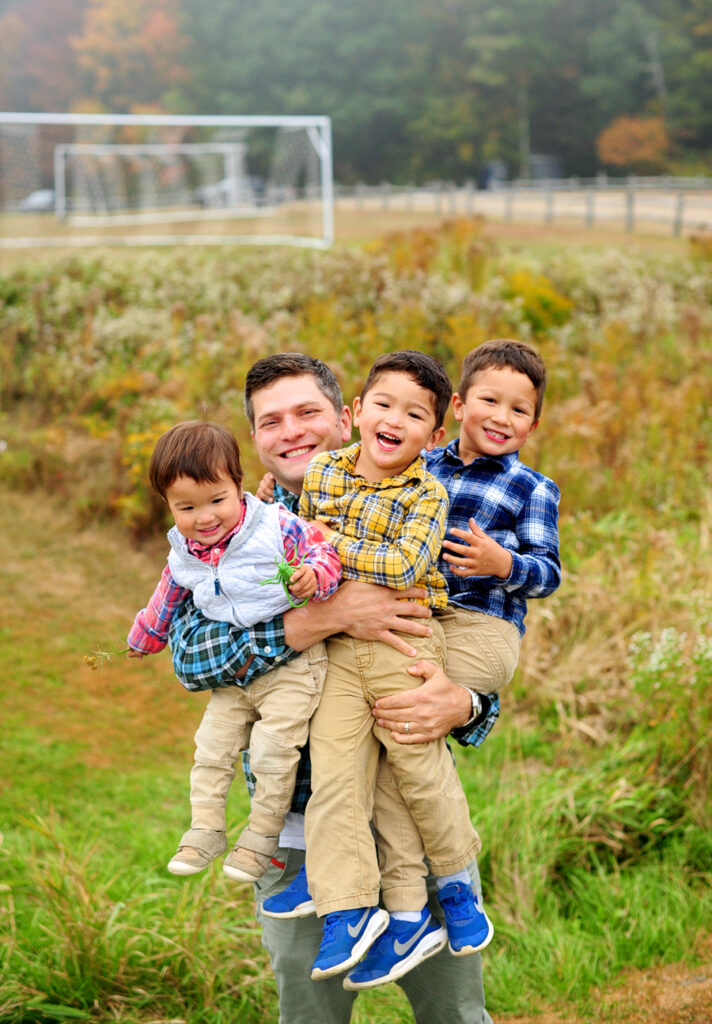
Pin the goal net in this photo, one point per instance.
(164, 180)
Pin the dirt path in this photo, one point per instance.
(670, 994)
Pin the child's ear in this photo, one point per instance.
(435, 439)
(457, 405)
(357, 410)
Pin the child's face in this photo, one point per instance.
(396, 420)
(204, 511)
(497, 413)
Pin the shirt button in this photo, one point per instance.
(268, 649)
(457, 475)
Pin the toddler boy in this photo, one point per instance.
(223, 546)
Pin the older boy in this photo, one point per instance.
(503, 513)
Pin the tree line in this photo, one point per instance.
(415, 91)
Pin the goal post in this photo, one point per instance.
(162, 179)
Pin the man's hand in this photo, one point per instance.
(478, 555)
(431, 710)
(265, 489)
(363, 610)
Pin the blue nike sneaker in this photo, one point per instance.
(403, 946)
(294, 901)
(347, 936)
(468, 928)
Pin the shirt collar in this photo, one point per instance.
(501, 462)
(347, 458)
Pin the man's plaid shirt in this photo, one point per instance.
(387, 531)
(208, 655)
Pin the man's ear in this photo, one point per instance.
(435, 439)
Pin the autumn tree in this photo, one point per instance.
(634, 143)
(130, 53)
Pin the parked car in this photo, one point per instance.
(245, 190)
(39, 201)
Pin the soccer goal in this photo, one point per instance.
(123, 179)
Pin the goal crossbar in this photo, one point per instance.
(317, 130)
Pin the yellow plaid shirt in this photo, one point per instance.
(388, 532)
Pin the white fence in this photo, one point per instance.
(673, 205)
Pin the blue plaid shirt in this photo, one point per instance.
(207, 655)
(516, 506)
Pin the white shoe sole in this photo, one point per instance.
(238, 875)
(178, 867)
(375, 927)
(429, 947)
(469, 950)
(303, 910)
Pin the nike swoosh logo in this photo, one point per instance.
(402, 948)
(354, 929)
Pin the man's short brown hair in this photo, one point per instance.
(198, 449)
(290, 364)
(505, 352)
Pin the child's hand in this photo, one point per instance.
(265, 490)
(303, 583)
(131, 653)
(478, 555)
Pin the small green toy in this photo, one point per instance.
(284, 573)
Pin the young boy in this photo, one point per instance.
(505, 514)
(385, 516)
(223, 546)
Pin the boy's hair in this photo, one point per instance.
(501, 353)
(425, 371)
(197, 449)
(290, 364)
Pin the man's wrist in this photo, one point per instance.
(476, 709)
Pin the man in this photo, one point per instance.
(295, 409)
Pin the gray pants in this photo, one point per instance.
(443, 990)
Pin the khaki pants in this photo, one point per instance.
(482, 650)
(345, 744)
(271, 716)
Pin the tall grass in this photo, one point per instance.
(592, 795)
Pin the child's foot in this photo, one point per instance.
(347, 936)
(196, 849)
(468, 928)
(294, 901)
(403, 946)
(250, 856)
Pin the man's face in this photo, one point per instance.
(294, 421)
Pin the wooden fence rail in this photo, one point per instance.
(676, 205)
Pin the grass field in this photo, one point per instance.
(593, 793)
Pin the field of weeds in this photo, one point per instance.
(593, 793)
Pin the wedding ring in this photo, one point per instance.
(406, 729)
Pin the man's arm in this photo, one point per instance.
(208, 655)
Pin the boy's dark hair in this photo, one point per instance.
(425, 371)
(290, 364)
(197, 449)
(501, 353)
